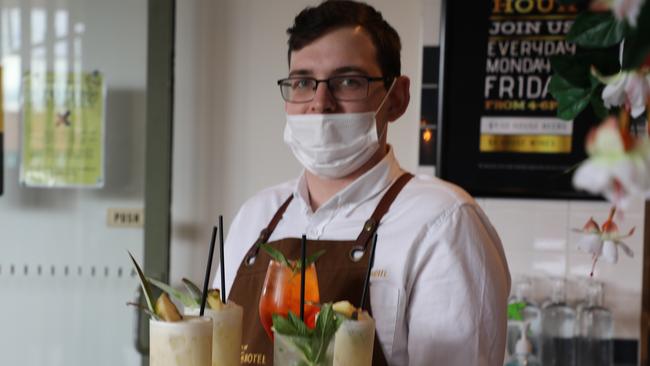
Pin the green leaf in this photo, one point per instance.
(300, 326)
(515, 311)
(275, 254)
(146, 290)
(572, 69)
(309, 260)
(597, 103)
(576, 69)
(283, 325)
(145, 309)
(312, 343)
(326, 326)
(185, 299)
(571, 99)
(596, 30)
(193, 289)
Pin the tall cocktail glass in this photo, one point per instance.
(226, 333)
(183, 343)
(354, 341)
(281, 294)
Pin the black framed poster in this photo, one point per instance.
(498, 131)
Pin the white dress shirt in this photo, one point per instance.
(440, 282)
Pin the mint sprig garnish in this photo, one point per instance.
(312, 343)
(295, 266)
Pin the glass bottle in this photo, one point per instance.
(558, 329)
(596, 330)
(531, 314)
(522, 355)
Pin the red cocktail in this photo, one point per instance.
(281, 294)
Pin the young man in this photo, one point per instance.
(440, 280)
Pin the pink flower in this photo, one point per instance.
(603, 242)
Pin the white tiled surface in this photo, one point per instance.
(539, 242)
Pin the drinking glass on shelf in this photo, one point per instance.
(281, 294)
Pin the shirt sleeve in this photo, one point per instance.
(459, 287)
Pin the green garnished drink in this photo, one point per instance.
(295, 344)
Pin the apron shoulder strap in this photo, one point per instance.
(268, 230)
(265, 234)
(371, 225)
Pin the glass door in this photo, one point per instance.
(76, 172)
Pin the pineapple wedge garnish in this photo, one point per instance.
(214, 299)
(346, 309)
(166, 309)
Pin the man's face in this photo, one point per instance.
(340, 52)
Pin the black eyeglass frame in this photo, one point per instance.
(370, 79)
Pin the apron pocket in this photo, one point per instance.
(384, 299)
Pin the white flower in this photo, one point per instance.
(627, 87)
(622, 9)
(627, 9)
(618, 167)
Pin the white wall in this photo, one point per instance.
(228, 144)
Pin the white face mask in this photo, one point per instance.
(333, 145)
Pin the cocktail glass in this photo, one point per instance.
(354, 341)
(226, 333)
(183, 343)
(281, 294)
(287, 353)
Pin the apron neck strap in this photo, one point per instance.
(265, 234)
(371, 225)
(369, 228)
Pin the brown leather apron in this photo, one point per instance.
(340, 275)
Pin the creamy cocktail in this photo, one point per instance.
(187, 342)
(354, 341)
(226, 333)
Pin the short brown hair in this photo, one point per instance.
(313, 22)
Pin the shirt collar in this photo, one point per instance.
(366, 187)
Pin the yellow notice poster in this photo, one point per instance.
(63, 130)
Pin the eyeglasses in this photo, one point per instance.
(343, 88)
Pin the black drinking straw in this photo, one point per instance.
(371, 262)
(303, 251)
(221, 260)
(207, 270)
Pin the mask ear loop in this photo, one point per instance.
(383, 131)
